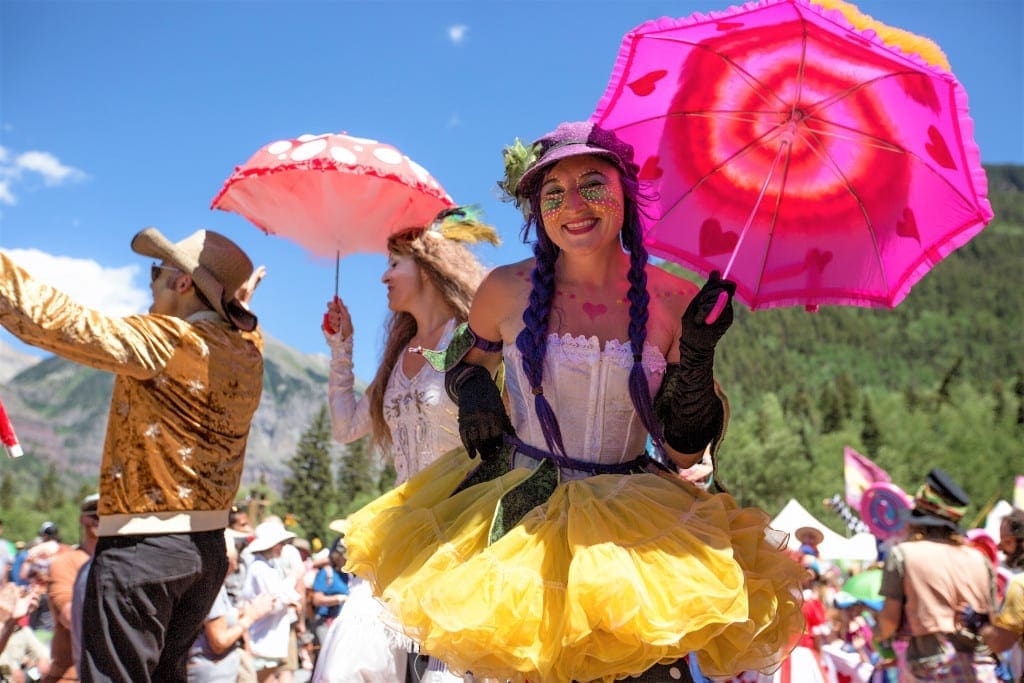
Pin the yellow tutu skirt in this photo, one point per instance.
(612, 575)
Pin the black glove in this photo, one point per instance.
(698, 335)
(687, 406)
(973, 621)
(483, 422)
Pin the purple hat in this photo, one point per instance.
(575, 139)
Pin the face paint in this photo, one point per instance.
(551, 203)
(598, 193)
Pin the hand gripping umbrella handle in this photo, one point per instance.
(7, 435)
(716, 310)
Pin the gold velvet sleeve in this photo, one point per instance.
(138, 345)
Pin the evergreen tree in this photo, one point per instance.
(831, 410)
(870, 434)
(846, 391)
(84, 489)
(999, 401)
(355, 476)
(51, 494)
(951, 376)
(911, 400)
(309, 489)
(387, 479)
(7, 490)
(800, 405)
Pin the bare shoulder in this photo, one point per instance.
(499, 302)
(668, 291)
(506, 282)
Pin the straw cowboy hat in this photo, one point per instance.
(217, 266)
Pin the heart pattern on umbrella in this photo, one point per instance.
(938, 149)
(644, 85)
(715, 241)
(908, 226)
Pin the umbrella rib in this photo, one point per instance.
(785, 143)
(760, 90)
(836, 97)
(862, 138)
(856, 136)
(711, 113)
(803, 61)
(813, 144)
(739, 153)
(774, 220)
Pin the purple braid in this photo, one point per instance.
(639, 298)
(532, 341)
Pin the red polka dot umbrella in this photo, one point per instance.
(814, 155)
(333, 194)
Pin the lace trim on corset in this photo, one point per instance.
(578, 350)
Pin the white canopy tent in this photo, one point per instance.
(834, 547)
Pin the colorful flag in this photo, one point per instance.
(1018, 492)
(859, 473)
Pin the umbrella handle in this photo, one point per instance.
(716, 310)
(7, 435)
(337, 264)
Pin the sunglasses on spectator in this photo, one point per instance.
(154, 271)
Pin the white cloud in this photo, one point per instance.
(457, 33)
(112, 290)
(19, 169)
(48, 166)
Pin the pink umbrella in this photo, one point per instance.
(333, 194)
(798, 149)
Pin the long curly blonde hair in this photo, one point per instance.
(440, 252)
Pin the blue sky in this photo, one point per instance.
(118, 115)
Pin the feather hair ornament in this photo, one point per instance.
(464, 224)
(518, 158)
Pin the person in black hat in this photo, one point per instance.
(928, 578)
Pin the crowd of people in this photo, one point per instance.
(944, 602)
(557, 514)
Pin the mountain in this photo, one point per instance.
(59, 410)
(13, 361)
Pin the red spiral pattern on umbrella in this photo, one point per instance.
(786, 97)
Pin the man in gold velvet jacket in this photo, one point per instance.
(188, 381)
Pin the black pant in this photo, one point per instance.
(146, 599)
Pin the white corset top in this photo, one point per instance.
(588, 389)
(423, 420)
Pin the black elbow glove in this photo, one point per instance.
(686, 405)
(483, 421)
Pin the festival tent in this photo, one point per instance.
(834, 547)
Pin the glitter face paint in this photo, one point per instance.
(596, 188)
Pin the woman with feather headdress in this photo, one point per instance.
(431, 279)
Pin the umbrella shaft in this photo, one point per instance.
(757, 204)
